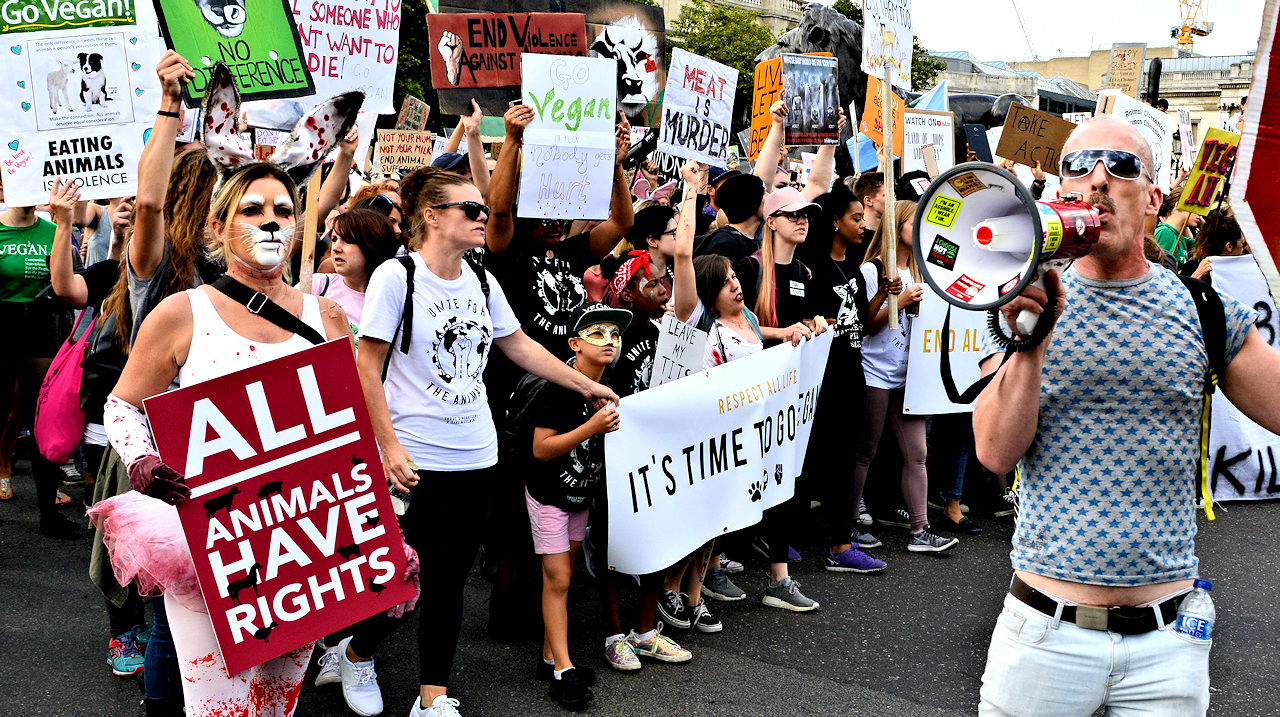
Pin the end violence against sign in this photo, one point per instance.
(290, 523)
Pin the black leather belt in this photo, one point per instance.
(1126, 620)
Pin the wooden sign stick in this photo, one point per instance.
(888, 228)
(311, 223)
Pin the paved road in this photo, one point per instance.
(911, 641)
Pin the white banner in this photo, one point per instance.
(351, 46)
(887, 36)
(697, 108)
(924, 394)
(569, 148)
(928, 127)
(1187, 136)
(1243, 456)
(706, 455)
(679, 351)
(79, 96)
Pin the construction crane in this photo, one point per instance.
(1191, 27)
(1035, 56)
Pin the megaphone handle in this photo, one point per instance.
(1027, 319)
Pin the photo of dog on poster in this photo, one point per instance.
(80, 81)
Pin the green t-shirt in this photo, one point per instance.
(1177, 247)
(24, 260)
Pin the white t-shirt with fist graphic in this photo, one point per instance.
(436, 393)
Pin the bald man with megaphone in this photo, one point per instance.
(1104, 416)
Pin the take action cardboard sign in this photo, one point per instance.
(289, 522)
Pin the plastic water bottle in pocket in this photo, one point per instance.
(1196, 613)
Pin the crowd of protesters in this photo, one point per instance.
(501, 450)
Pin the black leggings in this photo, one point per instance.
(30, 373)
(838, 425)
(444, 523)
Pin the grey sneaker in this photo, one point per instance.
(730, 566)
(865, 540)
(863, 516)
(717, 586)
(786, 594)
(927, 542)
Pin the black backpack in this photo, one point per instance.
(473, 259)
(515, 444)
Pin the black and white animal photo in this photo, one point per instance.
(58, 81)
(93, 80)
(225, 16)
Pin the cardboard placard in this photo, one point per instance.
(404, 149)
(79, 99)
(1031, 136)
(766, 89)
(262, 48)
(932, 129)
(413, 113)
(888, 37)
(484, 49)
(352, 46)
(1076, 117)
(872, 116)
(1125, 70)
(1210, 172)
(678, 353)
(697, 108)
(810, 90)
(289, 523)
(569, 148)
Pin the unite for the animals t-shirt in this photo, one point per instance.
(546, 286)
(436, 393)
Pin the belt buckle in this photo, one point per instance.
(1091, 617)
(261, 303)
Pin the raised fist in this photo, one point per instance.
(451, 51)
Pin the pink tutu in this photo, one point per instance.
(144, 538)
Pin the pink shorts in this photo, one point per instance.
(553, 528)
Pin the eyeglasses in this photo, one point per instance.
(473, 210)
(602, 335)
(803, 214)
(1118, 163)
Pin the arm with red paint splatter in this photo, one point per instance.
(155, 167)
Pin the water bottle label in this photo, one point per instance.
(1192, 626)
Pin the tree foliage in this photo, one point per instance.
(924, 67)
(413, 66)
(728, 35)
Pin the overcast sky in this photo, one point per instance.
(989, 28)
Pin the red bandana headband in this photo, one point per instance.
(640, 260)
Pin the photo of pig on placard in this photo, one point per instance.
(80, 81)
(635, 36)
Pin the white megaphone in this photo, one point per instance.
(980, 238)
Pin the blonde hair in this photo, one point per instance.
(903, 209)
(766, 307)
(232, 190)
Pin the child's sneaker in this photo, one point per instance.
(659, 647)
(123, 655)
(620, 655)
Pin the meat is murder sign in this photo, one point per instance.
(289, 523)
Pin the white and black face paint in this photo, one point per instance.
(266, 245)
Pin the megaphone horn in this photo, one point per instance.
(981, 239)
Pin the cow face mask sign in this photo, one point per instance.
(636, 40)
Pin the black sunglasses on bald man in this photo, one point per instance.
(473, 210)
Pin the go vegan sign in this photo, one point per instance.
(37, 15)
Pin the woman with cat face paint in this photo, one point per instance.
(198, 335)
(432, 417)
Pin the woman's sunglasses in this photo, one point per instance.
(795, 216)
(473, 210)
(551, 223)
(1118, 163)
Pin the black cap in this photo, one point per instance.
(597, 313)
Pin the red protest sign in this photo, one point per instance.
(1256, 196)
(483, 49)
(290, 523)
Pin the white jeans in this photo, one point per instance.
(1036, 668)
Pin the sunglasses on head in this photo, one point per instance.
(602, 335)
(1118, 163)
(473, 210)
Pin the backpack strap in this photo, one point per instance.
(475, 259)
(257, 303)
(405, 329)
(1213, 323)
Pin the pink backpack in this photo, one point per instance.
(59, 419)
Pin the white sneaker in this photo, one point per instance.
(442, 706)
(359, 683)
(330, 673)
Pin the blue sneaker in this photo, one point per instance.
(853, 561)
(123, 655)
(141, 635)
(761, 545)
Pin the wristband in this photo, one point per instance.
(167, 113)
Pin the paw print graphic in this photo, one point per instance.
(757, 489)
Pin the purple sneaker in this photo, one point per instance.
(853, 561)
